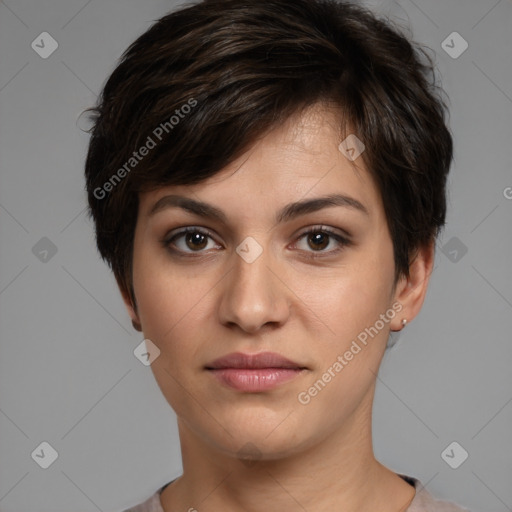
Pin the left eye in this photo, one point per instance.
(319, 238)
(195, 239)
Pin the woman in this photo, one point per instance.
(267, 181)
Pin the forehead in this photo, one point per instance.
(298, 159)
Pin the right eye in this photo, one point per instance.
(191, 237)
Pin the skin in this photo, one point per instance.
(315, 457)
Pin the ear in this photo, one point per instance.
(410, 292)
(130, 306)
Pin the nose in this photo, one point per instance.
(253, 294)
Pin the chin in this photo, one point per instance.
(254, 449)
(262, 442)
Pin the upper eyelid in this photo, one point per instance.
(318, 227)
(188, 229)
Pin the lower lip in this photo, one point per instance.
(255, 380)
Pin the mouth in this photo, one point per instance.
(254, 372)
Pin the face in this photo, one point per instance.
(262, 276)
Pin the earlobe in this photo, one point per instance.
(133, 314)
(403, 323)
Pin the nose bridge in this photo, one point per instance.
(252, 295)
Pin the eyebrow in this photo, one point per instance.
(287, 213)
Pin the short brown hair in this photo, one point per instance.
(241, 67)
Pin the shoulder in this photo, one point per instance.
(424, 502)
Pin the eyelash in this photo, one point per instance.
(345, 242)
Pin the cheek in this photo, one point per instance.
(157, 299)
(173, 312)
(173, 306)
(157, 291)
(351, 305)
(347, 364)
(347, 299)
(166, 304)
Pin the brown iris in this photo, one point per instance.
(318, 238)
(195, 238)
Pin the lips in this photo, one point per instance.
(253, 361)
(254, 373)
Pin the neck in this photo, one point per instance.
(339, 469)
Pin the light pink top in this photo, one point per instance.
(423, 501)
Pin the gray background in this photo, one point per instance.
(68, 375)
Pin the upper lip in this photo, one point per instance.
(249, 361)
